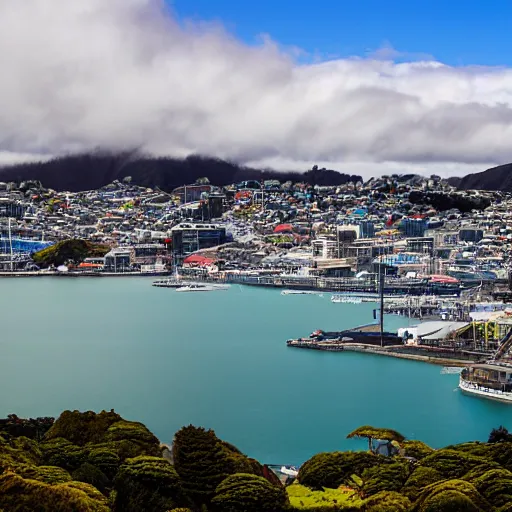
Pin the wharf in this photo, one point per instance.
(392, 287)
(433, 355)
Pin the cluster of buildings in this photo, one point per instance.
(388, 224)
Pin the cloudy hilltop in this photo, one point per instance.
(129, 73)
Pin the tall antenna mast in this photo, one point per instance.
(10, 243)
(381, 290)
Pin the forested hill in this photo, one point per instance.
(496, 178)
(94, 170)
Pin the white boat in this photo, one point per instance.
(492, 381)
(196, 287)
(346, 300)
(289, 470)
(298, 292)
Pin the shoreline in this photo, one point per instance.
(12, 275)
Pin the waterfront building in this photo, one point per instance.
(325, 249)
(149, 254)
(187, 238)
(119, 259)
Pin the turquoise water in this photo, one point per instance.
(219, 360)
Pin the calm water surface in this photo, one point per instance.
(218, 360)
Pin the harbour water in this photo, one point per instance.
(219, 360)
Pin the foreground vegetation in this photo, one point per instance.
(87, 462)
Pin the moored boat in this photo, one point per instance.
(299, 292)
(199, 287)
(490, 380)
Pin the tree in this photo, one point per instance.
(333, 469)
(373, 433)
(390, 477)
(499, 435)
(454, 464)
(19, 494)
(148, 484)
(451, 496)
(90, 474)
(203, 461)
(387, 501)
(495, 486)
(243, 492)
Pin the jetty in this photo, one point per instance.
(426, 354)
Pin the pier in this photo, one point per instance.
(426, 354)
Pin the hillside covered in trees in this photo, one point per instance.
(94, 170)
(88, 462)
(496, 178)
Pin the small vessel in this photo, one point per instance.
(490, 380)
(170, 282)
(298, 292)
(289, 471)
(197, 287)
(167, 283)
(493, 379)
(341, 299)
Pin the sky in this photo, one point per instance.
(457, 32)
(366, 87)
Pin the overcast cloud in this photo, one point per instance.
(76, 75)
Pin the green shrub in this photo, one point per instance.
(387, 501)
(63, 453)
(203, 461)
(81, 428)
(249, 493)
(106, 460)
(416, 449)
(125, 449)
(90, 474)
(455, 464)
(48, 474)
(133, 431)
(23, 495)
(475, 448)
(389, 477)
(148, 483)
(333, 469)
(420, 478)
(495, 486)
(502, 454)
(29, 447)
(451, 496)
